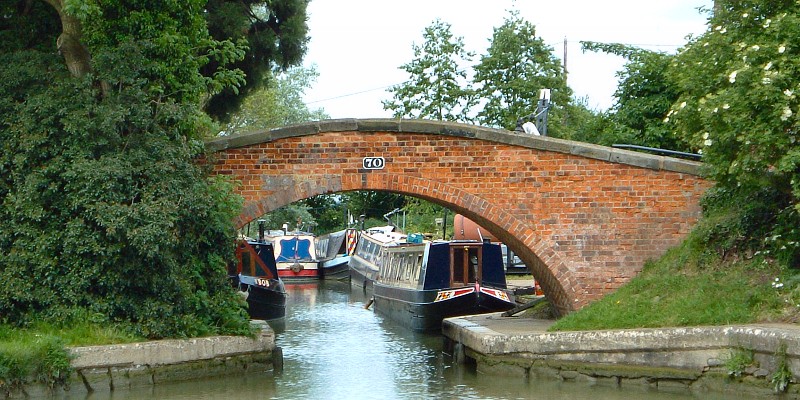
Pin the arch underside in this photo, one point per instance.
(547, 266)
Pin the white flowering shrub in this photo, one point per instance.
(739, 85)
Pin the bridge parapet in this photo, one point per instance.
(545, 143)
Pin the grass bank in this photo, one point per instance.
(39, 353)
(695, 284)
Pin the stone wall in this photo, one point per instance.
(721, 358)
(119, 367)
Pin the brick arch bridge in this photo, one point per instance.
(583, 218)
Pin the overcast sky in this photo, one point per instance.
(359, 45)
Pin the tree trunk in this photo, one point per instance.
(76, 56)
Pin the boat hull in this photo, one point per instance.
(424, 310)
(359, 279)
(336, 269)
(264, 302)
(298, 272)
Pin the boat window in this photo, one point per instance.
(417, 267)
(370, 252)
(247, 263)
(473, 267)
(257, 267)
(457, 266)
(362, 249)
(409, 263)
(465, 264)
(400, 268)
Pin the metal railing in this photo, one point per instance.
(692, 156)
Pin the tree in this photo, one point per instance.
(105, 215)
(438, 88)
(275, 34)
(280, 104)
(643, 96)
(372, 204)
(739, 85)
(327, 211)
(516, 66)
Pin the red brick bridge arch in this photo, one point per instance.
(583, 218)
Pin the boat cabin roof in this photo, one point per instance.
(386, 235)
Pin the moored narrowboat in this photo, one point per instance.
(256, 276)
(418, 283)
(295, 256)
(332, 254)
(365, 256)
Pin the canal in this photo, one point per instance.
(334, 348)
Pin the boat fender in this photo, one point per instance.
(369, 303)
(297, 267)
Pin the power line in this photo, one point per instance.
(356, 93)
(550, 45)
(554, 44)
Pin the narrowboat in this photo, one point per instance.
(418, 283)
(295, 256)
(465, 229)
(332, 254)
(256, 276)
(364, 258)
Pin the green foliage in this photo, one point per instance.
(438, 88)
(644, 96)
(739, 83)
(516, 66)
(782, 376)
(327, 212)
(105, 214)
(42, 358)
(171, 40)
(279, 104)
(421, 215)
(274, 34)
(296, 216)
(38, 354)
(28, 26)
(743, 231)
(504, 87)
(689, 286)
(372, 204)
(603, 129)
(738, 360)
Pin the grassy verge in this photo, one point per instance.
(39, 353)
(693, 286)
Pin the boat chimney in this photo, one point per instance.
(261, 227)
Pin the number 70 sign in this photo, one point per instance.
(374, 162)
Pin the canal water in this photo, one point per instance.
(334, 348)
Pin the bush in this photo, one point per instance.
(105, 213)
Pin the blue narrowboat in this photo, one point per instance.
(418, 283)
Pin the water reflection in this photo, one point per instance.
(334, 348)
